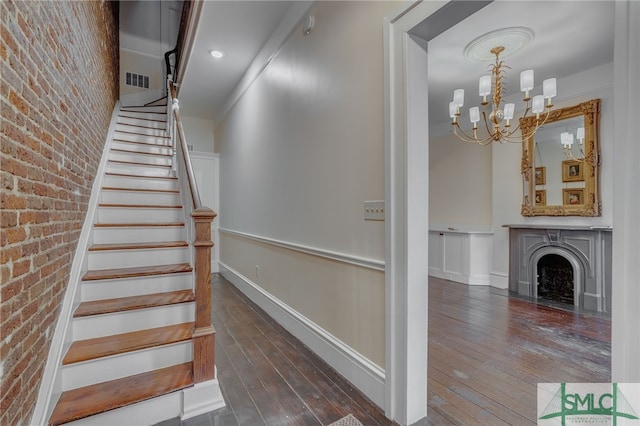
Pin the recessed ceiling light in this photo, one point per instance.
(216, 53)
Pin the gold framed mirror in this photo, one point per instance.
(561, 163)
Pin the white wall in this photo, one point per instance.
(199, 133)
(300, 153)
(459, 183)
(507, 180)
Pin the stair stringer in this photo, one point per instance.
(51, 384)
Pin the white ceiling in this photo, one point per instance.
(238, 28)
(569, 36)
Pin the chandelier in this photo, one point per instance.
(496, 115)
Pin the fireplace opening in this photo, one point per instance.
(555, 279)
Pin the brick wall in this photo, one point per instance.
(58, 87)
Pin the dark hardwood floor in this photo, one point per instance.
(487, 352)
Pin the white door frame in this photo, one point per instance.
(406, 194)
(406, 210)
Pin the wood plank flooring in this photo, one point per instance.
(487, 352)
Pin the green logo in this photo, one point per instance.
(585, 402)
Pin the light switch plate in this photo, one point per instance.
(374, 210)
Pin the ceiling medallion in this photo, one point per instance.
(513, 39)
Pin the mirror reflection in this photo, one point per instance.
(560, 164)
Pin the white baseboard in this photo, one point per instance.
(500, 280)
(201, 398)
(364, 374)
(461, 278)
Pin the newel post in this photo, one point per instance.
(204, 334)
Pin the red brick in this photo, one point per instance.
(11, 253)
(11, 289)
(19, 102)
(21, 268)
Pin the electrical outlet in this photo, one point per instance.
(374, 210)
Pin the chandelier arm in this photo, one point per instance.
(486, 123)
(469, 139)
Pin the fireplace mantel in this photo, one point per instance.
(588, 249)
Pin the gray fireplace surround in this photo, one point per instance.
(588, 250)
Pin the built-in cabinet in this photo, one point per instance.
(460, 255)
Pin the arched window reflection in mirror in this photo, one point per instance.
(561, 163)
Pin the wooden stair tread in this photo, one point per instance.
(128, 151)
(117, 188)
(138, 271)
(140, 134)
(141, 126)
(130, 303)
(139, 176)
(79, 403)
(99, 347)
(138, 163)
(136, 246)
(161, 145)
(132, 225)
(132, 117)
(141, 206)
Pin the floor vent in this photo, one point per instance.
(136, 80)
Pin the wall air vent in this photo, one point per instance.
(136, 80)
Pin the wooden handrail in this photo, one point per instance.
(204, 333)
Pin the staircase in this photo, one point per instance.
(139, 343)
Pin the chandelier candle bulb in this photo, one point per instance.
(458, 97)
(526, 82)
(484, 87)
(537, 105)
(453, 109)
(509, 109)
(549, 88)
(474, 115)
(580, 135)
(567, 139)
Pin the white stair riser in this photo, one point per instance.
(125, 287)
(146, 109)
(110, 196)
(139, 215)
(144, 148)
(111, 259)
(132, 137)
(140, 182)
(138, 169)
(143, 115)
(143, 234)
(141, 122)
(124, 322)
(140, 130)
(147, 412)
(127, 364)
(132, 157)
